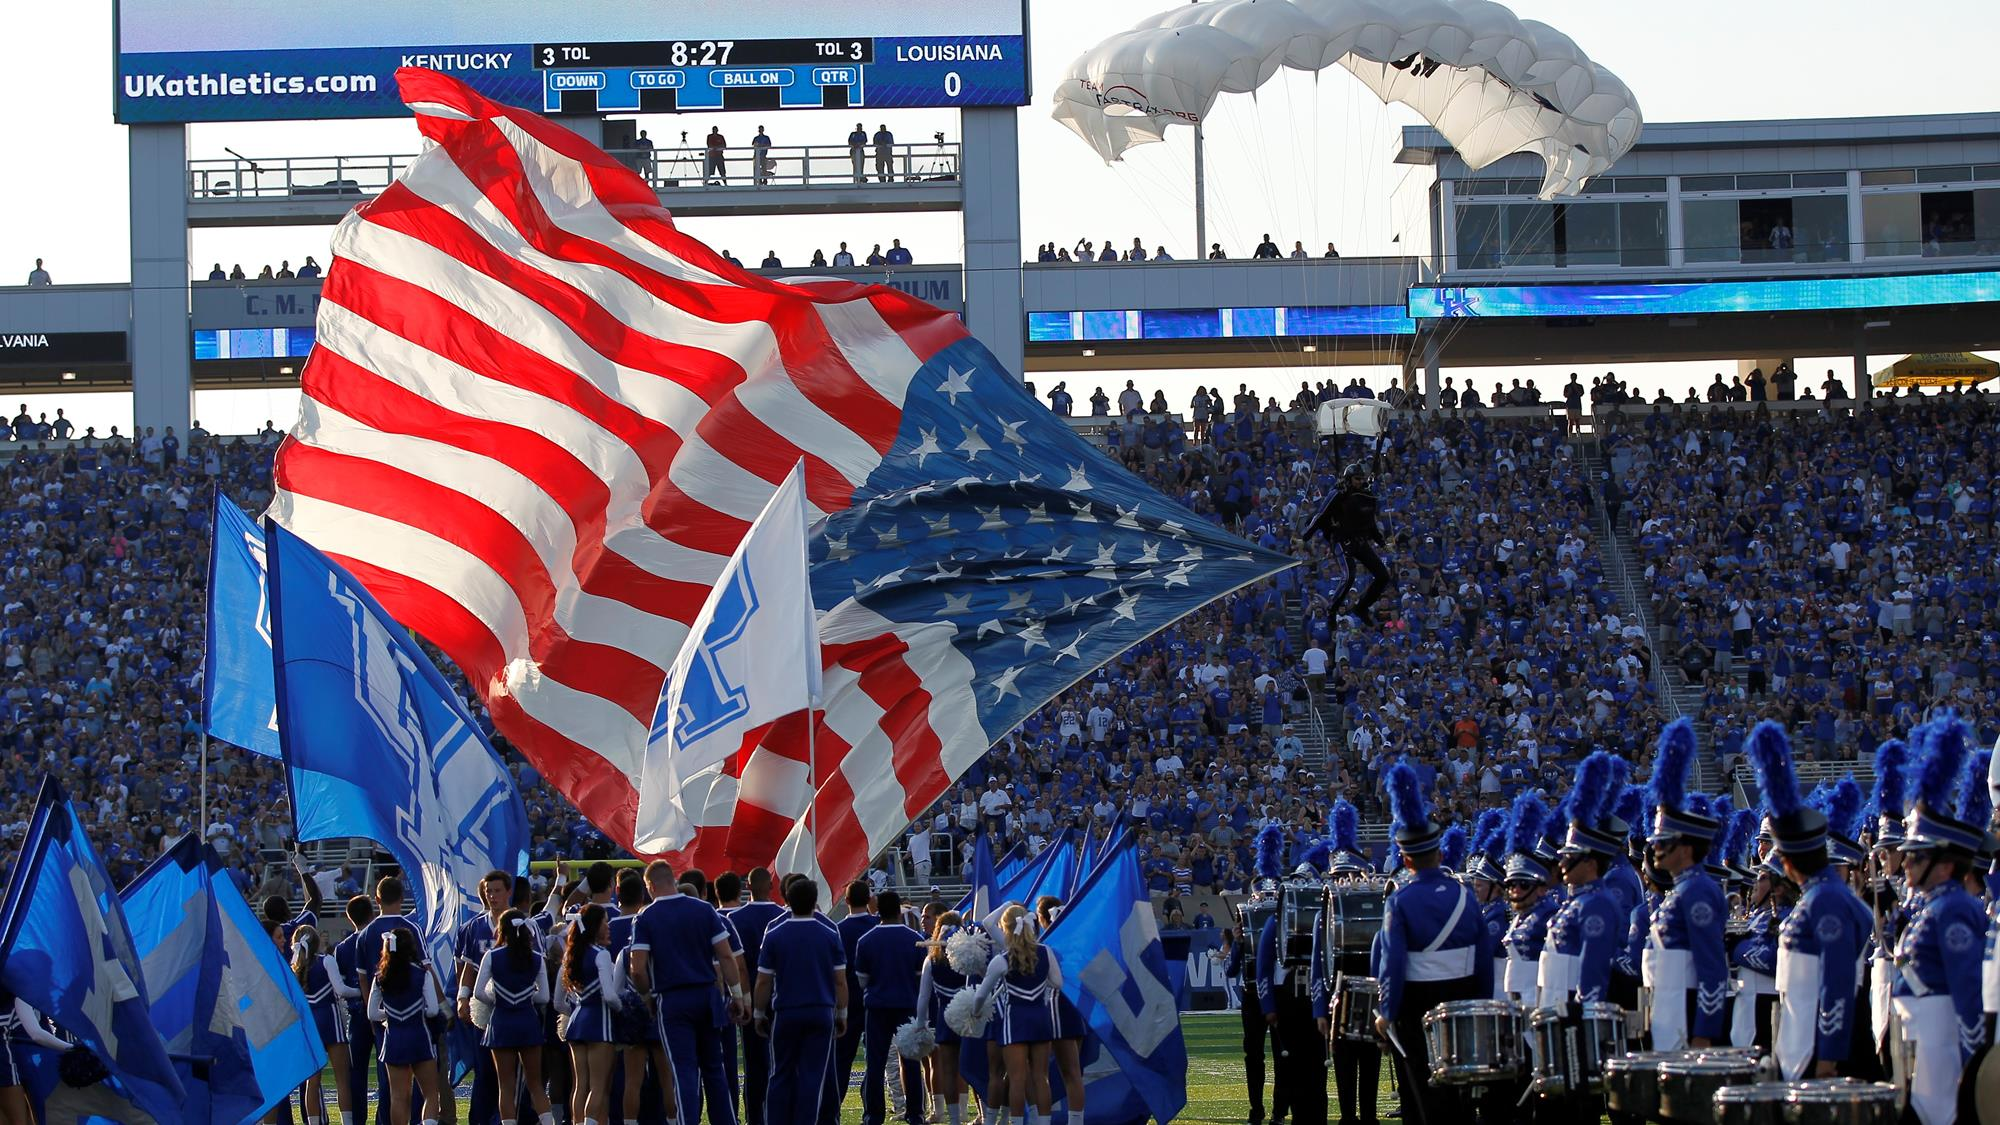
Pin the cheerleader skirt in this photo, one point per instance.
(10, 1064)
(1069, 1021)
(946, 1037)
(1025, 1021)
(407, 1044)
(331, 1020)
(514, 1029)
(589, 1022)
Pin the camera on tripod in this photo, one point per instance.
(938, 136)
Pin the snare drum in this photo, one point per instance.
(1837, 1101)
(1570, 1057)
(1632, 1083)
(1688, 1084)
(1760, 1103)
(1354, 1009)
(1474, 1042)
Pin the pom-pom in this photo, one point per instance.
(1452, 848)
(1531, 818)
(915, 1039)
(1489, 835)
(965, 1014)
(1770, 754)
(1975, 801)
(1892, 779)
(1270, 852)
(1406, 797)
(1843, 808)
(1671, 764)
(1593, 791)
(1344, 823)
(1944, 760)
(968, 951)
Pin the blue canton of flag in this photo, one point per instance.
(377, 744)
(66, 949)
(1115, 972)
(1046, 557)
(222, 994)
(239, 703)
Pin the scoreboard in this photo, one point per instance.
(828, 73)
(253, 60)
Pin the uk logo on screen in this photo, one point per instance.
(1458, 302)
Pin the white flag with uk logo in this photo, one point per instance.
(751, 661)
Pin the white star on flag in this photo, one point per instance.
(1031, 636)
(1128, 606)
(955, 383)
(1070, 649)
(1003, 684)
(1011, 433)
(927, 446)
(973, 445)
(1079, 481)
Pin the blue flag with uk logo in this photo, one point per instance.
(66, 949)
(377, 745)
(239, 705)
(229, 1005)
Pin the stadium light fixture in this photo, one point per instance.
(284, 371)
(1089, 351)
(69, 376)
(1312, 347)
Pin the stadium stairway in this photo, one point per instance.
(1678, 698)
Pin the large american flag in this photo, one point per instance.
(539, 418)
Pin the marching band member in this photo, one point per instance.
(1357, 1065)
(1587, 933)
(1526, 880)
(1888, 898)
(1487, 871)
(1684, 964)
(1285, 995)
(861, 918)
(1621, 878)
(1430, 951)
(513, 983)
(1821, 943)
(1937, 990)
(1755, 958)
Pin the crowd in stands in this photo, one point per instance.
(1086, 250)
(1835, 569)
(284, 272)
(1831, 569)
(896, 255)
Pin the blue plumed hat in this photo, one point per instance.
(1892, 789)
(1409, 813)
(1314, 861)
(1452, 848)
(1489, 847)
(1526, 861)
(1674, 818)
(1592, 828)
(1975, 800)
(1932, 822)
(1797, 827)
(1843, 822)
(1344, 835)
(1737, 838)
(1268, 856)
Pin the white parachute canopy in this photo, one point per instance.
(1492, 83)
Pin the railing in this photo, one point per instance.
(682, 169)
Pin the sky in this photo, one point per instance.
(1308, 158)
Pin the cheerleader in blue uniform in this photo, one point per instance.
(591, 998)
(327, 994)
(405, 997)
(1068, 1046)
(936, 986)
(20, 1025)
(1026, 979)
(514, 985)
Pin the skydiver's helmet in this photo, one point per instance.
(1356, 477)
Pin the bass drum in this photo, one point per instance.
(1353, 916)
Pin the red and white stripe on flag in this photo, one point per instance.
(538, 420)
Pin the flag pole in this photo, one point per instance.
(204, 785)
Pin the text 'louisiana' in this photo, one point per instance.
(951, 52)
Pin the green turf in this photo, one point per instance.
(1214, 1084)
